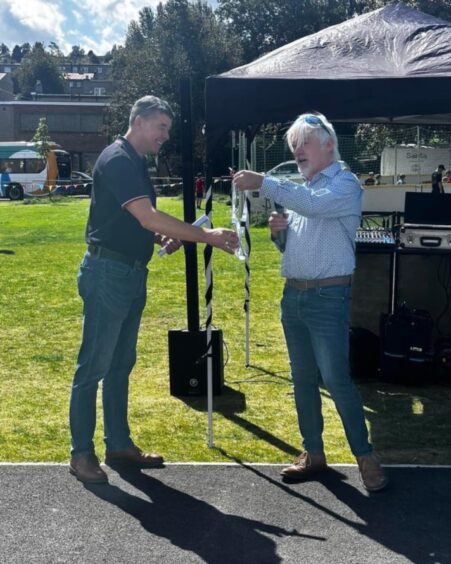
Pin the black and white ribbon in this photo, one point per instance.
(208, 323)
(241, 213)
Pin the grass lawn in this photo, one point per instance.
(254, 420)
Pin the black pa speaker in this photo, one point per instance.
(188, 362)
(407, 350)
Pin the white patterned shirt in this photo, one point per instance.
(323, 215)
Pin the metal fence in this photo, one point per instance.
(419, 150)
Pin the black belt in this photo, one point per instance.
(101, 252)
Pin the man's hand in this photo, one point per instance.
(169, 245)
(224, 239)
(248, 180)
(277, 222)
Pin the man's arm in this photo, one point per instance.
(336, 199)
(164, 224)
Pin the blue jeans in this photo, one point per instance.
(316, 327)
(114, 296)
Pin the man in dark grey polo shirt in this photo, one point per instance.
(122, 228)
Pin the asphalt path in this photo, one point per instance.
(223, 514)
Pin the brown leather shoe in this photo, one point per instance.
(305, 466)
(87, 469)
(133, 456)
(372, 475)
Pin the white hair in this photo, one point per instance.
(323, 130)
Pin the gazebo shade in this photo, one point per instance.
(389, 65)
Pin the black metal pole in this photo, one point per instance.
(189, 211)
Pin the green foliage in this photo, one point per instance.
(92, 57)
(39, 66)
(42, 138)
(179, 40)
(373, 138)
(259, 219)
(77, 54)
(264, 25)
(4, 52)
(19, 52)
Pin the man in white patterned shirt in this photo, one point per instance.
(318, 262)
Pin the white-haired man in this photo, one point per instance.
(123, 226)
(318, 263)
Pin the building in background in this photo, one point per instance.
(6, 87)
(79, 127)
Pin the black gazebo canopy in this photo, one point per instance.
(389, 65)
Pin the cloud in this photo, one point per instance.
(91, 24)
(43, 20)
(39, 20)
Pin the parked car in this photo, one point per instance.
(288, 168)
(82, 182)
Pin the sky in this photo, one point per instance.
(91, 24)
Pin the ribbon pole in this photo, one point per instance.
(208, 303)
(247, 288)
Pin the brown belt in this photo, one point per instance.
(319, 282)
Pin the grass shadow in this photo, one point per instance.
(397, 415)
(230, 405)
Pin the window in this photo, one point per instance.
(100, 91)
(13, 166)
(91, 123)
(29, 121)
(63, 122)
(34, 165)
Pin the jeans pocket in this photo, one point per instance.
(336, 293)
(117, 269)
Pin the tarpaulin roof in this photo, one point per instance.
(389, 65)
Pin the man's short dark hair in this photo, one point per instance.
(149, 105)
(442, 167)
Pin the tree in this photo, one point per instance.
(264, 25)
(179, 40)
(16, 54)
(54, 50)
(77, 54)
(4, 52)
(42, 139)
(93, 58)
(39, 65)
(20, 51)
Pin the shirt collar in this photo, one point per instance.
(330, 171)
(130, 149)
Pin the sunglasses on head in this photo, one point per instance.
(315, 120)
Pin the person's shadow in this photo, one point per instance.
(192, 524)
(410, 518)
